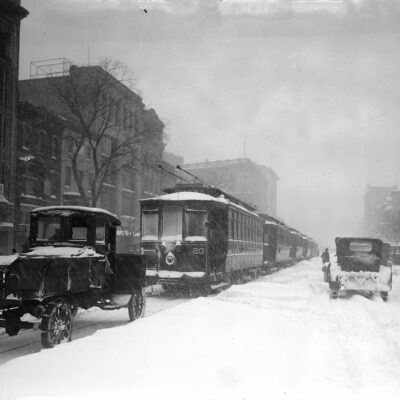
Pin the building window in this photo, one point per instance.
(34, 186)
(104, 106)
(106, 145)
(30, 184)
(88, 152)
(131, 120)
(70, 145)
(126, 117)
(113, 145)
(25, 132)
(111, 177)
(108, 200)
(53, 183)
(117, 113)
(125, 178)
(113, 174)
(80, 175)
(54, 146)
(127, 204)
(42, 141)
(5, 45)
(90, 181)
(67, 178)
(34, 140)
(26, 217)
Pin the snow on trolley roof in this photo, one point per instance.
(269, 220)
(196, 196)
(272, 223)
(78, 208)
(188, 196)
(210, 190)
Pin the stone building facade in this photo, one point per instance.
(251, 182)
(11, 14)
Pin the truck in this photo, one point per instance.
(70, 261)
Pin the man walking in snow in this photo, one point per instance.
(325, 256)
(325, 264)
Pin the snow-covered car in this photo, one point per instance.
(361, 264)
(71, 261)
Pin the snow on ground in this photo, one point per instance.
(280, 337)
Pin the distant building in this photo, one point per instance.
(374, 200)
(11, 14)
(172, 158)
(251, 182)
(168, 176)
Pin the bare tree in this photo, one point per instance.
(106, 116)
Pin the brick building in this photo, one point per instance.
(38, 172)
(132, 171)
(251, 182)
(11, 14)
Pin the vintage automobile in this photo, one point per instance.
(362, 264)
(71, 261)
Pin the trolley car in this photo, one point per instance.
(200, 238)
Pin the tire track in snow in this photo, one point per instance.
(357, 321)
(86, 323)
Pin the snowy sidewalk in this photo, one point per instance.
(280, 337)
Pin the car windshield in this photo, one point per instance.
(71, 228)
(49, 228)
(171, 223)
(196, 225)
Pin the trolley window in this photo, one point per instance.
(172, 223)
(150, 224)
(196, 224)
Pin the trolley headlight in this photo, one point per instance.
(178, 246)
(170, 259)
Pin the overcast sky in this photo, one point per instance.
(311, 88)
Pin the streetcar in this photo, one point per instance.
(201, 239)
(277, 244)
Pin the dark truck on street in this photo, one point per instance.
(70, 261)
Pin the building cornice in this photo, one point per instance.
(13, 9)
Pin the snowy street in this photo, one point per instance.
(280, 337)
(86, 323)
